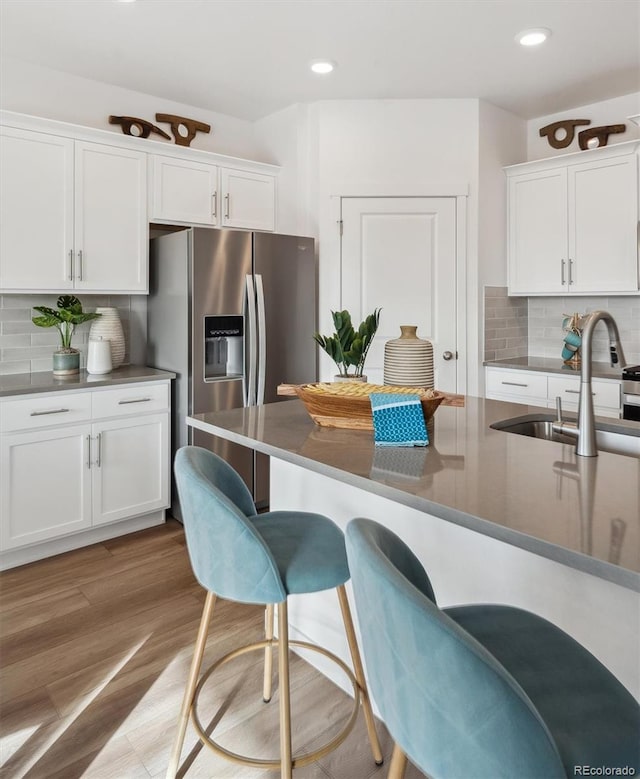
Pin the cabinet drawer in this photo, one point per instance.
(606, 394)
(517, 384)
(133, 399)
(37, 411)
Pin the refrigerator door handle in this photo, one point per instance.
(262, 339)
(250, 369)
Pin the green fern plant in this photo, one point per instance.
(65, 317)
(347, 346)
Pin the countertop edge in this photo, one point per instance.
(13, 385)
(600, 370)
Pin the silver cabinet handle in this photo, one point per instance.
(214, 204)
(447, 355)
(135, 400)
(576, 392)
(562, 264)
(53, 411)
(70, 264)
(570, 271)
(89, 451)
(514, 384)
(227, 205)
(80, 265)
(99, 455)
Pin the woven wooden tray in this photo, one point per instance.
(332, 405)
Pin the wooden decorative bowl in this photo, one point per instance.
(347, 404)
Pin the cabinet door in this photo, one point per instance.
(36, 211)
(130, 467)
(603, 219)
(249, 200)
(183, 191)
(537, 238)
(45, 485)
(111, 230)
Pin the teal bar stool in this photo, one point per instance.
(247, 557)
(482, 691)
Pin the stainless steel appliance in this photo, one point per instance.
(232, 313)
(631, 393)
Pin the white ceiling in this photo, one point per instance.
(249, 58)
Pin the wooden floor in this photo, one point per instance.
(95, 648)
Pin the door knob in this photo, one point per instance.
(447, 355)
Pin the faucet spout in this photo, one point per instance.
(586, 429)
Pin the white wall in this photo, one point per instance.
(613, 111)
(502, 141)
(387, 148)
(284, 138)
(31, 89)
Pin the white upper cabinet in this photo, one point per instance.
(111, 230)
(72, 214)
(572, 224)
(248, 200)
(36, 211)
(199, 193)
(183, 191)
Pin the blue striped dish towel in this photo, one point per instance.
(398, 420)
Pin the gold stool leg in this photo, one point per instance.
(268, 653)
(359, 674)
(285, 702)
(398, 763)
(196, 662)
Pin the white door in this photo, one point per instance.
(36, 211)
(603, 214)
(249, 200)
(184, 191)
(111, 229)
(130, 467)
(45, 485)
(537, 243)
(399, 254)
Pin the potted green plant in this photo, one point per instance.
(66, 317)
(348, 347)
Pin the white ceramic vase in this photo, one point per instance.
(408, 360)
(109, 327)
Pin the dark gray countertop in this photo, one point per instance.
(26, 383)
(531, 493)
(601, 370)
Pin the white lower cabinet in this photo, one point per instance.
(541, 389)
(46, 484)
(60, 477)
(129, 467)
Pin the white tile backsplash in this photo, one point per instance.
(25, 348)
(543, 334)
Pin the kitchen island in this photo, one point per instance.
(494, 517)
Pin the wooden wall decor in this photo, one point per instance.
(191, 125)
(138, 128)
(568, 125)
(598, 136)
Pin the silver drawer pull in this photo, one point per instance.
(514, 384)
(576, 392)
(137, 400)
(45, 413)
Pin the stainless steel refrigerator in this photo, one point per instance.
(232, 313)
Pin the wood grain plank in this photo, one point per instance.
(33, 615)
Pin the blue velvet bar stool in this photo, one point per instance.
(247, 557)
(482, 691)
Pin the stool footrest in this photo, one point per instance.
(298, 760)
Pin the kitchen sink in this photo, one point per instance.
(609, 438)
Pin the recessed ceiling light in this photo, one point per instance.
(126, 1)
(533, 37)
(322, 66)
